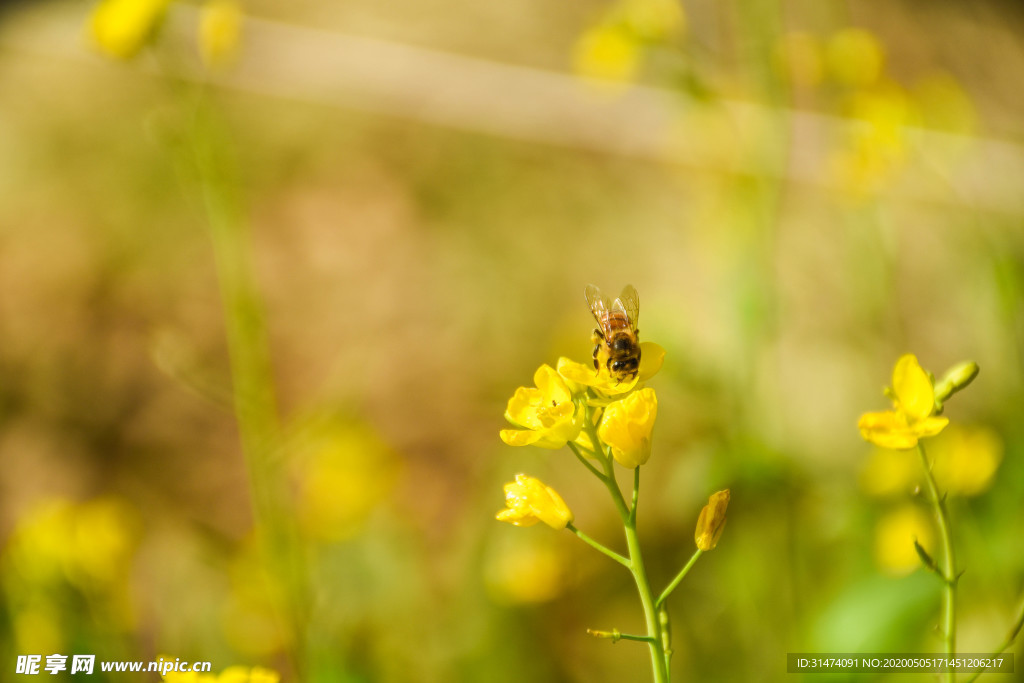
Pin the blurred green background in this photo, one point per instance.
(406, 202)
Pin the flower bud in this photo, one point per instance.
(956, 378)
(712, 521)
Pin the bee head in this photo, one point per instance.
(628, 366)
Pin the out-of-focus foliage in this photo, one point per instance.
(411, 275)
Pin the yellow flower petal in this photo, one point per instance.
(929, 426)
(652, 357)
(627, 425)
(887, 429)
(913, 388)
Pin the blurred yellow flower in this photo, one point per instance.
(652, 357)
(529, 501)
(895, 535)
(525, 570)
(343, 474)
(854, 57)
(89, 544)
(798, 58)
(712, 521)
(120, 28)
(547, 413)
(914, 402)
(964, 463)
(607, 52)
(627, 425)
(877, 145)
(220, 30)
(965, 460)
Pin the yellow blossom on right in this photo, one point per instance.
(912, 417)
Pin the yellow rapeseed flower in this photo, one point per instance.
(912, 417)
(652, 357)
(895, 535)
(626, 427)
(120, 28)
(711, 521)
(220, 30)
(529, 501)
(547, 413)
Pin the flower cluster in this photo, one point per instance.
(122, 28)
(603, 416)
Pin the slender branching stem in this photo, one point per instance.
(679, 577)
(948, 572)
(598, 546)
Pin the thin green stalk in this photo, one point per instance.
(643, 588)
(949, 575)
(615, 635)
(679, 577)
(598, 546)
(636, 562)
(251, 371)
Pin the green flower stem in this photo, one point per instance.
(679, 577)
(1010, 637)
(636, 562)
(583, 459)
(598, 546)
(949, 575)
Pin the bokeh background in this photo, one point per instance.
(263, 297)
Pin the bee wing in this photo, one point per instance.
(629, 303)
(598, 303)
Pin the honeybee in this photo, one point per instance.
(616, 339)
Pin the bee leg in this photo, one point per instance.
(597, 338)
